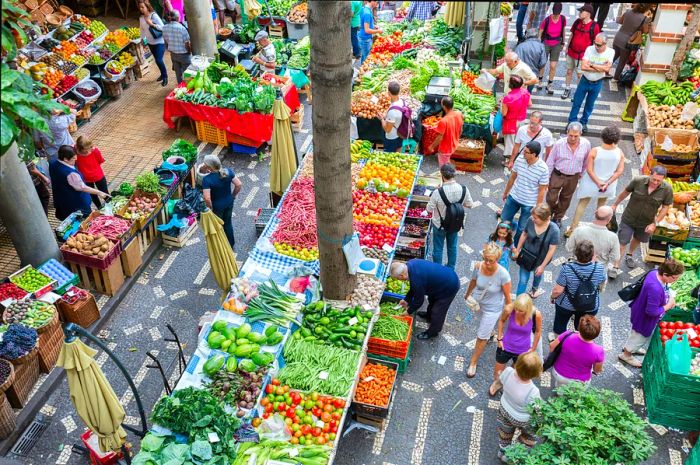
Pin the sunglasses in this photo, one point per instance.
(599, 45)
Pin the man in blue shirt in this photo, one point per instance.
(438, 282)
(367, 29)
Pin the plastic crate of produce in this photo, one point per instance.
(377, 411)
(92, 262)
(37, 292)
(402, 364)
(688, 139)
(394, 349)
(207, 132)
(64, 277)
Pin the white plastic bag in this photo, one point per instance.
(496, 31)
(274, 429)
(690, 109)
(353, 253)
(667, 144)
(485, 81)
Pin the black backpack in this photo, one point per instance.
(454, 212)
(575, 28)
(586, 295)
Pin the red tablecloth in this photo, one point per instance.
(254, 126)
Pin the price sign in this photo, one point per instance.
(368, 379)
(323, 375)
(213, 437)
(352, 321)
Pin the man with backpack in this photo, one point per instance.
(449, 129)
(398, 124)
(447, 206)
(577, 290)
(583, 33)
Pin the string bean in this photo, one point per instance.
(390, 328)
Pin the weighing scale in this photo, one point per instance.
(438, 87)
(372, 267)
(232, 51)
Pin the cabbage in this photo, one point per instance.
(152, 442)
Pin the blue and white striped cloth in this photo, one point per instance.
(529, 180)
(567, 278)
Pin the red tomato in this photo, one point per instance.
(316, 431)
(266, 415)
(338, 403)
(270, 389)
(328, 408)
(336, 415)
(305, 429)
(281, 407)
(326, 428)
(275, 382)
(268, 408)
(326, 417)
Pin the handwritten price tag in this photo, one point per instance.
(323, 375)
(213, 437)
(352, 321)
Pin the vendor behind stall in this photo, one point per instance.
(70, 193)
(267, 56)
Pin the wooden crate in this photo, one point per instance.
(297, 119)
(651, 255)
(371, 421)
(278, 31)
(131, 258)
(474, 166)
(181, 240)
(103, 281)
(306, 90)
(146, 236)
(467, 151)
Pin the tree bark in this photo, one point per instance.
(201, 27)
(22, 214)
(685, 44)
(331, 82)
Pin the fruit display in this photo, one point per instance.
(665, 116)
(338, 327)
(63, 33)
(99, 57)
(31, 280)
(133, 33)
(82, 19)
(379, 254)
(17, 341)
(30, 313)
(57, 271)
(65, 84)
(418, 212)
(675, 219)
(66, 49)
(299, 13)
(81, 74)
(396, 286)
(360, 150)
(403, 161)
(126, 59)
(669, 329)
(97, 27)
(296, 233)
(377, 208)
(376, 236)
(694, 213)
(667, 93)
(71, 103)
(89, 245)
(379, 178)
(86, 91)
(38, 71)
(115, 67)
(679, 186)
(84, 39)
(118, 38)
(139, 207)
(11, 291)
(78, 60)
(49, 44)
(690, 258)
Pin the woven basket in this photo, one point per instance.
(26, 376)
(31, 5)
(50, 342)
(38, 17)
(8, 421)
(46, 8)
(10, 379)
(82, 313)
(40, 329)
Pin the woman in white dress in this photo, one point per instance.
(605, 165)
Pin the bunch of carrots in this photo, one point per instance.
(468, 80)
(375, 384)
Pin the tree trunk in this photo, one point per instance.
(22, 214)
(331, 83)
(685, 44)
(201, 27)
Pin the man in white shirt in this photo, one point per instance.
(532, 131)
(390, 123)
(514, 66)
(605, 242)
(267, 56)
(595, 64)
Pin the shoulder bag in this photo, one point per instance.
(155, 32)
(554, 354)
(635, 41)
(528, 259)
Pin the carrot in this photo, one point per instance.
(375, 385)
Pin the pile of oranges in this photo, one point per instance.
(52, 77)
(66, 49)
(118, 38)
(395, 177)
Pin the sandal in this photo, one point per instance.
(493, 392)
(640, 352)
(471, 371)
(535, 293)
(630, 360)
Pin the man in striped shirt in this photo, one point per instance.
(566, 163)
(526, 186)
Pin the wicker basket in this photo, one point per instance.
(10, 379)
(82, 313)
(38, 17)
(8, 421)
(46, 8)
(26, 376)
(31, 5)
(65, 11)
(50, 342)
(113, 88)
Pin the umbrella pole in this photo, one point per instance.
(73, 331)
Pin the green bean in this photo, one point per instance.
(390, 308)
(390, 328)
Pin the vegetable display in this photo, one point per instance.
(272, 305)
(295, 234)
(33, 314)
(328, 325)
(110, 227)
(301, 55)
(669, 329)
(690, 258)
(281, 452)
(375, 385)
(665, 116)
(397, 286)
(391, 308)
(31, 280)
(368, 291)
(298, 14)
(389, 328)
(163, 450)
(683, 287)
(140, 206)
(89, 245)
(694, 213)
(17, 340)
(182, 148)
(667, 93)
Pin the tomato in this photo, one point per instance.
(269, 408)
(326, 417)
(281, 407)
(334, 429)
(328, 408)
(264, 401)
(290, 413)
(316, 431)
(279, 391)
(320, 440)
(663, 324)
(336, 416)
(275, 382)
(333, 424)
(294, 440)
(266, 415)
(326, 428)
(269, 389)
(316, 411)
(305, 429)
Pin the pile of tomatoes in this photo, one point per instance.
(377, 208)
(391, 44)
(374, 235)
(670, 328)
(311, 417)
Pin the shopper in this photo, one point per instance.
(605, 242)
(220, 187)
(392, 120)
(367, 29)
(604, 167)
(632, 22)
(447, 204)
(226, 8)
(176, 5)
(522, 334)
(59, 122)
(518, 393)
(553, 33)
(267, 56)
(489, 289)
(535, 249)
(600, 13)
(596, 62)
(579, 356)
(421, 11)
(439, 283)
(528, 182)
(532, 52)
(70, 193)
(89, 164)
(177, 42)
(41, 185)
(534, 130)
(512, 65)
(514, 110)
(536, 12)
(646, 310)
(650, 197)
(577, 289)
(356, 7)
(567, 162)
(503, 237)
(449, 130)
(520, 21)
(583, 32)
(152, 33)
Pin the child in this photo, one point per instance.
(89, 164)
(503, 236)
(518, 392)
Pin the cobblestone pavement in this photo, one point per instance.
(438, 415)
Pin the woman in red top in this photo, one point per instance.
(514, 110)
(89, 164)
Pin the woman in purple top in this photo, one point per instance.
(522, 335)
(654, 299)
(579, 354)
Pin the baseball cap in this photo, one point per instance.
(261, 35)
(587, 8)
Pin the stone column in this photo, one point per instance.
(201, 27)
(22, 214)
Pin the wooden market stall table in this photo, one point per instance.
(249, 128)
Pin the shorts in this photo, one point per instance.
(225, 5)
(487, 321)
(626, 232)
(573, 64)
(503, 356)
(560, 380)
(636, 341)
(553, 52)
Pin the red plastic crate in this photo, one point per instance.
(92, 262)
(393, 349)
(98, 457)
(429, 135)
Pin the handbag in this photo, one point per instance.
(155, 32)
(554, 354)
(612, 224)
(527, 259)
(631, 291)
(635, 41)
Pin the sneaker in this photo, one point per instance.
(629, 261)
(584, 128)
(566, 94)
(550, 88)
(551, 336)
(502, 456)
(614, 273)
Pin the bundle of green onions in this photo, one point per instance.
(272, 305)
